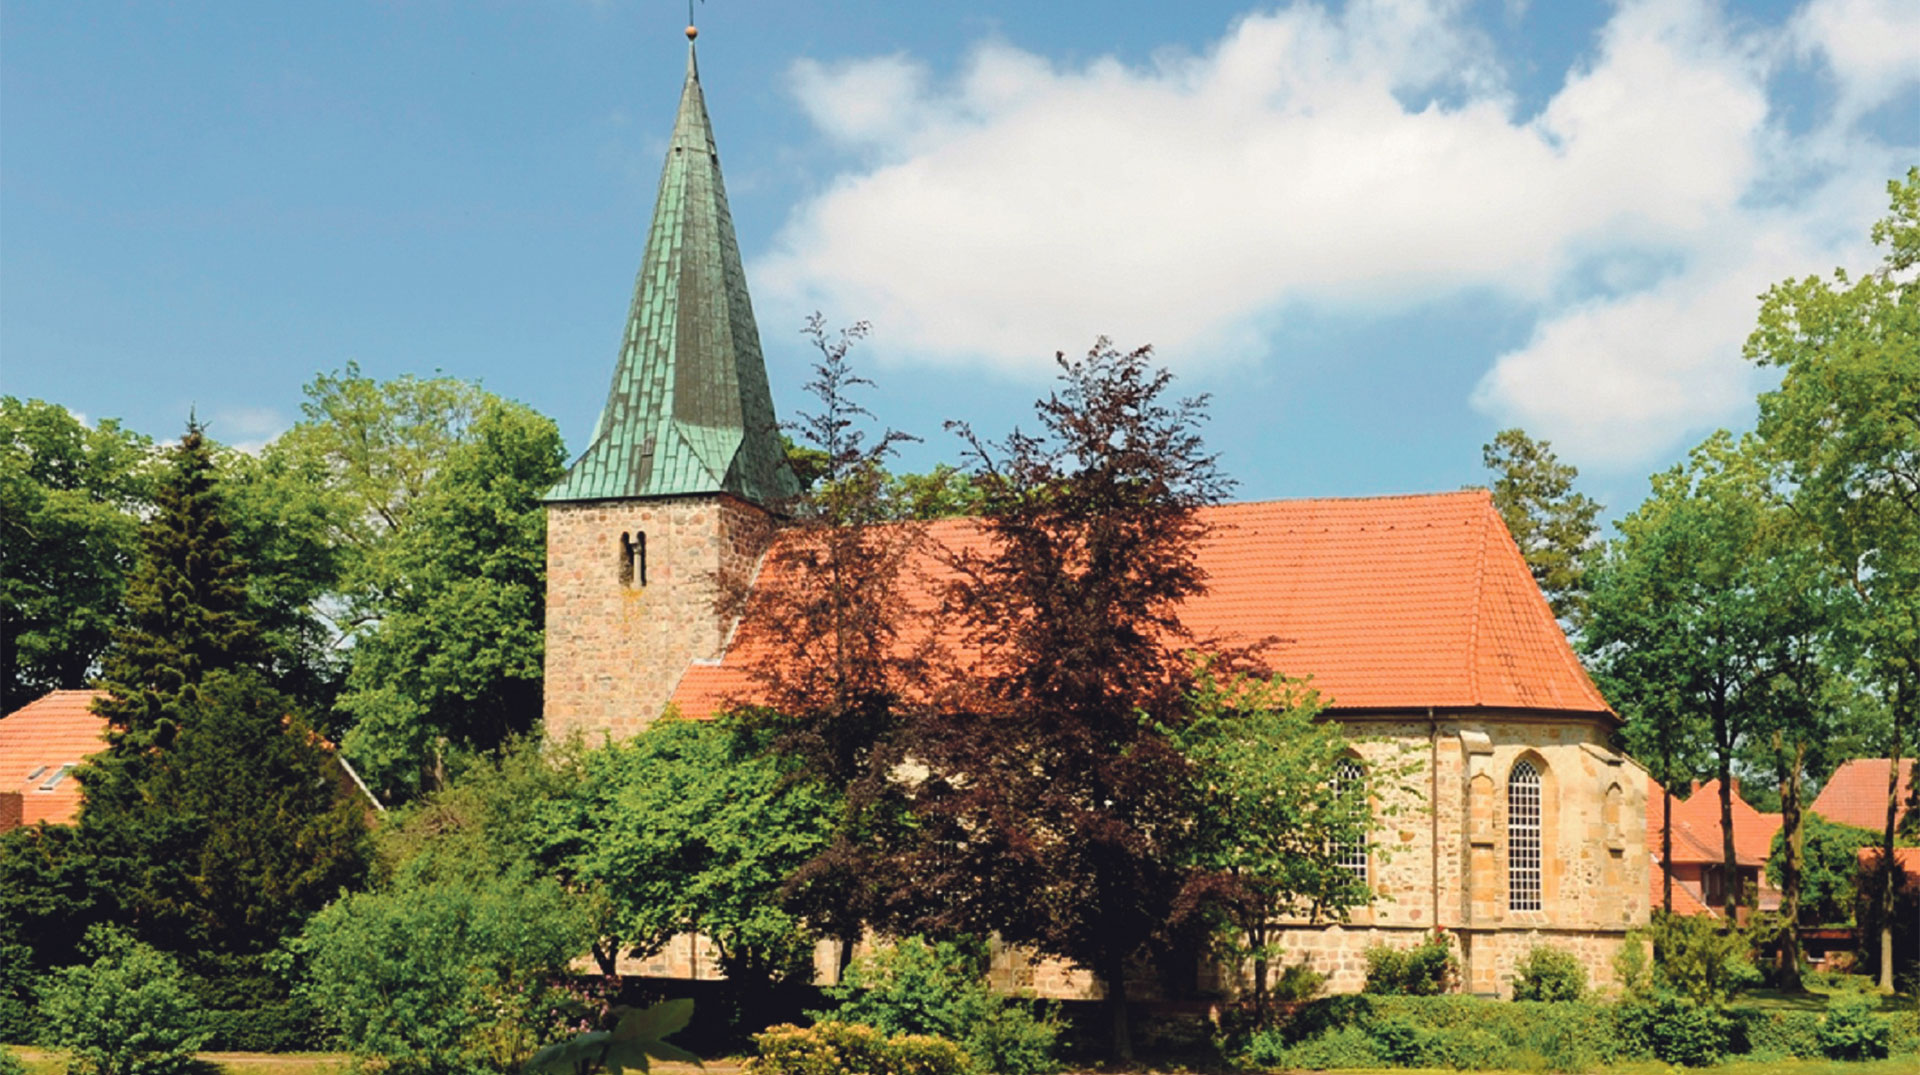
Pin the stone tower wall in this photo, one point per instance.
(616, 647)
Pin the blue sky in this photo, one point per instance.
(1374, 232)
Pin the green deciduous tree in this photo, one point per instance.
(455, 656)
(1276, 823)
(1845, 423)
(695, 826)
(379, 443)
(69, 533)
(1690, 622)
(286, 525)
(1554, 526)
(1831, 864)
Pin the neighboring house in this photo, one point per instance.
(44, 741)
(1856, 794)
(41, 744)
(1416, 616)
(1699, 858)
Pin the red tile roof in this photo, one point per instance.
(37, 740)
(1686, 896)
(1857, 793)
(1907, 858)
(1389, 603)
(1696, 826)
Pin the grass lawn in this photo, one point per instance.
(1903, 1066)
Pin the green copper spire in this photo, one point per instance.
(689, 411)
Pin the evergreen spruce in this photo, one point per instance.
(220, 815)
(188, 612)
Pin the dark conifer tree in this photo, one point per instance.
(188, 612)
(218, 814)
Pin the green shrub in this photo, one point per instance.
(1675, 1030)
(913, 987)
(1427, 969)
(17, 977)
(1551, 974)
(10, 1064)
(444, 976)
(834, 1048)
(1700, 957)
(1346, 1047)
(1446, 1031)
(1854, 1029)
(1297, 982)
(1905, 1037)
(126, 1013)
(1770, 1034)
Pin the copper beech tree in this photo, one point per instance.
(1055, 802)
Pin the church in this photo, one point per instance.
(1415, 616)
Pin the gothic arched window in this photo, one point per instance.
(1349, 777)
(1523, 837)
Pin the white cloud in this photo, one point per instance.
(1366, 161)
(1872, 48)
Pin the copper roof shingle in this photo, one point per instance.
(1389, 603)
(689, 411)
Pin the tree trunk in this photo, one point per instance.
(1666, 846)
(1115, 975)
(1257, 938)
(1723, 739)
(1793, 840)
(1887, 867)
(606, 953)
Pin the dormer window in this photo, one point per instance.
(54, 780)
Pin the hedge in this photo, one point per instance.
(1474, 1033)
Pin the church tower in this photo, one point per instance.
(670, 506)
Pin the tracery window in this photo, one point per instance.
(1350, 776)
(1523, 837)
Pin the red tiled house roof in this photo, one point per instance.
(1686, 895)
(1857, 793)
(1696, 826)
(38, 743)
(1906, 858)
(1389, 603)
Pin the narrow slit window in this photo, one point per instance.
(1350, 778)
(633, 560)
(1523, 838)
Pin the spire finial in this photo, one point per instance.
(692, 30)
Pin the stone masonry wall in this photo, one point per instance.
(1451, 784)
(616, 648)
